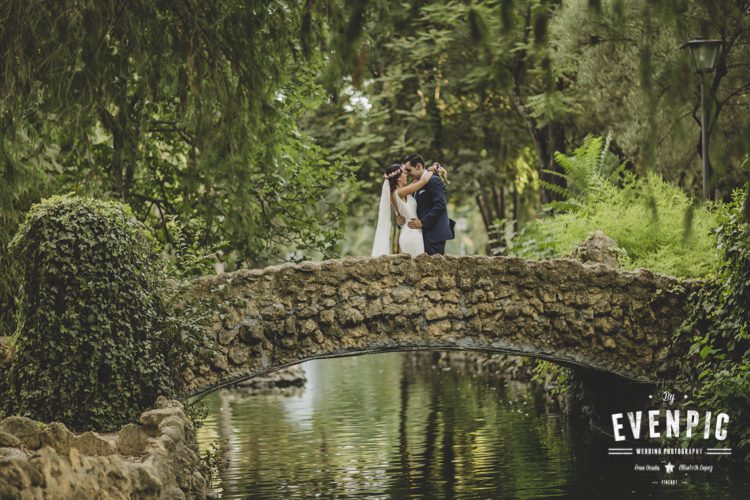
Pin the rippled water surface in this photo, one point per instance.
(383, 426)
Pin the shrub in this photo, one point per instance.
(655, 224)
(95, 343)
(717, 332)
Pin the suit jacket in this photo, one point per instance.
(432, 211)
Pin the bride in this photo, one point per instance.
(398, 193)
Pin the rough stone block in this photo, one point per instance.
(91, 444)
(239, 355)
(153, 418)
(351, 317)
(274, 312)
(26, 430)
(57, 436)
(227, 336)
(8, 454)
(327, 317)
(9, 440)
(609, 343)
(174, 427)
(251, 332)
(132, 440)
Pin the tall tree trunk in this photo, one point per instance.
(499, 199)
(516, 208)
(555, 134)
(491, 205)
(486, 217)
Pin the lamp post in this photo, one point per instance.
(704, 54)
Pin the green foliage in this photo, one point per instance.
(213, 461)
(716, 371)
(655, 224)
(5, 356)
(186, 258)
(182, 110)
(26, 170)
(196, 412)
(629, 76)
(95, 342)
(583, 172)
(553, 377)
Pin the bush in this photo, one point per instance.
(553, 377)
(95, 343)
(717, 332)
(655, 224)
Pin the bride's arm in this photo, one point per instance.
(437, 168)
(415, 186)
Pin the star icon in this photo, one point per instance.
(669, 467)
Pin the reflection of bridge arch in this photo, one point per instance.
(588, 315)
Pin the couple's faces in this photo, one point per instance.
(402, 179)
(409, 170)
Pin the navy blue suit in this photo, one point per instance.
(432, 211)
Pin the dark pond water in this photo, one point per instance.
(383, 426)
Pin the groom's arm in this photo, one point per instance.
(436, 188)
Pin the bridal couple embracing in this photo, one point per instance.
(417, 195)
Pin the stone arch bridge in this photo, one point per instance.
(589, 315)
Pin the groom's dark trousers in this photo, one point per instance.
(432, 212)
(431, 248)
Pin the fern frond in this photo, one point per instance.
(554, 172)
(565, 162)
(562, 191)
(571, 205)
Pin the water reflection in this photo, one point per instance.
(383, 426)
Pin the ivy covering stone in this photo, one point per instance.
(95, 343)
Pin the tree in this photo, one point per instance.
(183, 109)
(632, 78)
(465, 83)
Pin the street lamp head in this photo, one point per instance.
(704, 53)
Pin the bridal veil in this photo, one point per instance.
(382, 243)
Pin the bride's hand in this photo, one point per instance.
(427, 174)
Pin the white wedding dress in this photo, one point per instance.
(410, 240)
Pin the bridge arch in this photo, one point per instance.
(589, 315)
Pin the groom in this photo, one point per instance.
(432, 213)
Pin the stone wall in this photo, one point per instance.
(156, 459)
(589, 314)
